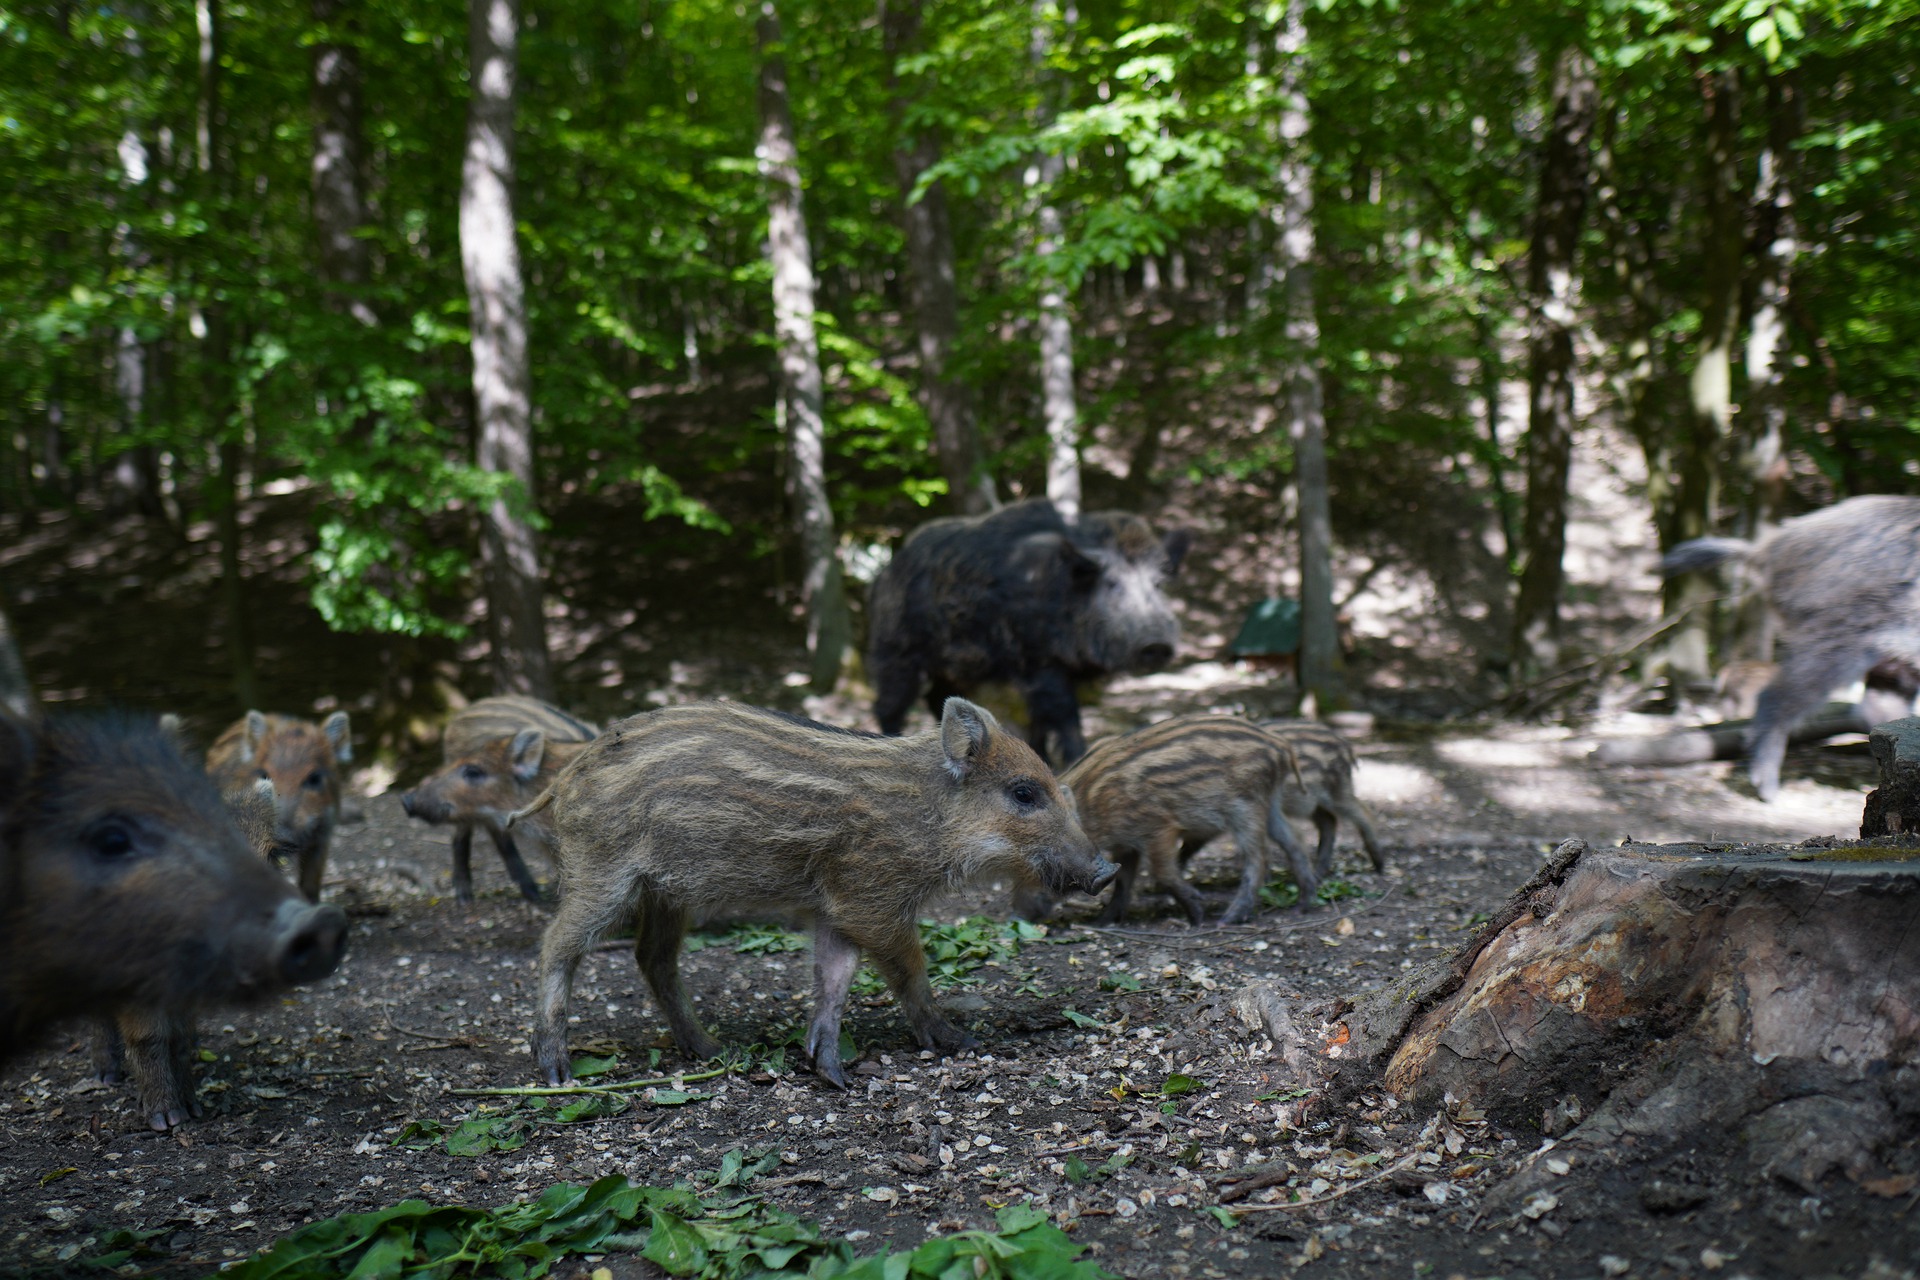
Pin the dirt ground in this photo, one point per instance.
(1067, 1105)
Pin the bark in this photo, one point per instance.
(136, 472)
(1696, 492)
(339, 160)
(1552, 286)
(1059, 405)
(829, 631)
(1322, 673)
(932, 293)
(1893, 808)
(490, 255)
(1753, 1004)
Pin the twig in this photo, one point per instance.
(625, 1086)
(1239, 1210)
(427, 1035)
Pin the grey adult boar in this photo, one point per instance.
(1021, 596)
(1845, 584)
(717, 808)
(500, 753)
(301, 759)
(126, 885)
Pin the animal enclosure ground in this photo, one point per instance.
(1115, 1088)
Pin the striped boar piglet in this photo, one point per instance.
(500, 753)
(1161, 793)
(301, 759)
(718, 808)
(1324, 789)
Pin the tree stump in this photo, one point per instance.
(1762, 1002)
(1893, 808)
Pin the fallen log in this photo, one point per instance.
(1727, 741)
(1760, 1003)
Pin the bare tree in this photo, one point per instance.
(933, 295)
(490, 254)
(1059, 405)
(1552, 289)
(1322, 673)
(829, 631)
(339, 158)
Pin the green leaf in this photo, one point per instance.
(673, 1246)
(1081, 1020)
(1177, 1084)
(586, 1066)
(1221, 1216)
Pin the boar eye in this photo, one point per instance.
(1026, 794)
(111, 840)
(316, 780)
(473, 773)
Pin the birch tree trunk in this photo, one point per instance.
(136, 472)
(1552, 285)
(1322, 673)
(1060, 407)
(490, 255)
(339, 160)
(1710, 385)
(932, 293)
(829, 631)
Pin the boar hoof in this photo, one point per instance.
(832, 1072)
(172, 1117)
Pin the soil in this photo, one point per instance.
(305, 1099)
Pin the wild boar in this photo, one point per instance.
(1845, 584)
(126, 885)
(1021, 596)
(1324, 790)
(301, 759)
(500, 753)
(717, 807)
(1161, 793)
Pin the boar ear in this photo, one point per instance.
(339, 736)
(965, 730)
(529, 745)
(1176, 545)
(254, 734)
(1041, 555)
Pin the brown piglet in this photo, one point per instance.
(718, 808)
(302, 760)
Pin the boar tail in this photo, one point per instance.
(540, 802)
(1702, 553)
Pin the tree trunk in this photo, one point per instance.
(1059, 404)
(933, 295)
(216, 362)
(1696, 497)
(1752, 1004)
(490, 254)
(339, 160)
(829, 631)
(1322, 673)
(1551, 294)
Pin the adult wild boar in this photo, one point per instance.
(301, 759)
(500, 753)
(1019, 595)
(717, 808)
(1845, 584)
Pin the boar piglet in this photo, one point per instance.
(126, 885)
(1162, 792)
(721, 809)
(301, 759)
(1324, 789)
(500, 754)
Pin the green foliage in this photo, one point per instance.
(1280, 893)
(719, 1233)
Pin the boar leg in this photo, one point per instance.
(109, 1052)
(160, 1051)
(463, 862)
(313, 869)
(1251, 842)
(1805, 679)
(574, 929)
(1053, 712)
(1304, 873)
(516, 867)
(1116, 909)
(1356, 814)
(897, 954)
(835, 960)
(1327, 823)
(1169, 875)
(661, 927)
(895, 682)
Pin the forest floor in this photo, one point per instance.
(1114, 1087)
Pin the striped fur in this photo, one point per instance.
(718, 808)
(1324, 791)
(302, 761)
(1162, 792)
(500, 753)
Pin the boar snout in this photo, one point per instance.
(406, 805)
(1102, 875)
(1152, 657)
(309, 941)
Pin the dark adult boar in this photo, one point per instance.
(125, 885)
(1324, 789)
(1021, 596)
(1161, 793)
(1845, 584)
(302, 761)
(500, 753)
(718, 808)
